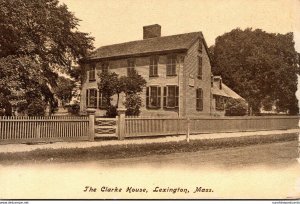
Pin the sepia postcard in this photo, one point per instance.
(154, 99)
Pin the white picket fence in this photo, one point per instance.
(34, 129)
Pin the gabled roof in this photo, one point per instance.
(230, 92)
(225, 91)
(165, 44)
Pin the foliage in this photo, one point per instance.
(236, 107)
(107, 85)
(134, 83)
(260, 66)
(111, 84)
(5, 107)
(74, 108)
(111, 111)
(133, 103)
(37, 40)
(64, 89)
(36, 108)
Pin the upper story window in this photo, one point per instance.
(91, 98)
(104, 66)
(200, 48)
(199, 74)
(199, 99)
(92, 72)
(130, 66)
(171, 65)
(153, 97)
(171, 97)
(153, 66)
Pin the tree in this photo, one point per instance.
(64, 89)
(260, 66)
(133, 85)
(38, 39)
(111, 84)
(36, 108)
(108, 86)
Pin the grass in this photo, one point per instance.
(138, 150)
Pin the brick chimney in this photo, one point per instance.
(151, 31)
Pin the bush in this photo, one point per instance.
(5, 107)
(133, 103)
(74, 109)
(236, 107)
(111, 111)
(36, 108)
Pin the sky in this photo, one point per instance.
(117, 21)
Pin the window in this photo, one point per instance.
(102, 101)
(153, 97)
(92, 72)
(91, 98)
(171, 65)
(153, 66)
(199, 99)
(104, 67)
(220, 105)
(130, 67)
(200, 48)
(171, 97)
(199, 67)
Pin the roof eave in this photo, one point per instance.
(96, 59)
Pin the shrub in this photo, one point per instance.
(5, 107)
(36, 108)
(236, 107)
(133, 103)
(74, 109)
(111, 111)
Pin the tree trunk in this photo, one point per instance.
(118, 96)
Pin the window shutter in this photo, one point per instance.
(87, 98)
(176, 97)
(197, 99)
(165, 97)
(156, 66)
(147, 96)
(201, 99)
(95, 97)
(100, 99)
(158, 97)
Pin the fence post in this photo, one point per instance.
(38, 131)
(91, 113)
(188, 130)
(121, 123)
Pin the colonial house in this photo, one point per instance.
(177, 69)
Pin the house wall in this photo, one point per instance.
(191, 82)
(142, 67)
(186, 69)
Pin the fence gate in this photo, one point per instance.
(106, 127)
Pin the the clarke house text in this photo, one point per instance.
(157, 189)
